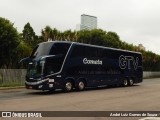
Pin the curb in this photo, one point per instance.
(16, 87)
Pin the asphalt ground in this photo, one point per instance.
(140, 97)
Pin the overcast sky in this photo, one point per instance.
(135, 21)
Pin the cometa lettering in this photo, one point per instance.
(96, 62)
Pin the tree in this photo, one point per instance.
(22, 51)
(29, 35)
(98, 36)
(53, 34)
(9, 39)
(84, 37)
(114, 39)
(46, 33)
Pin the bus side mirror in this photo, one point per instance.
(27, 59)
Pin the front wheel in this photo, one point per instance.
(68, 86)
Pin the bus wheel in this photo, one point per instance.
(81, 85)
(68, 86)
(131, 82)
(125, 82)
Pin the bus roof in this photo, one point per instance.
(97, 46)
(116, 49)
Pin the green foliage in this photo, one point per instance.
(28, 33)
(151, 61)
(113, 40)
(12, 47)
(99, 37)
(84, 36)
(29, 37)
(22, 51)
(9, 39)
(49, 34)
(46, 33)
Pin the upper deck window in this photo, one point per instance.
(42, 49)
(59, 48)
(86, 51)
(50, 48)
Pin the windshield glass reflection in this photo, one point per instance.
(34, 70)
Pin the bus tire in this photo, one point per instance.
(131, 82)
(68, 86)
(81, 85)
(125, 82)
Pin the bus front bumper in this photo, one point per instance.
(40, 85)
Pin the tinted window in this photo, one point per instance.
(42, 49)
(53, 65)
(113, 54)
(78, 51)
(59, 48)
(86, 51)
(34, 51)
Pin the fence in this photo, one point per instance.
(12, 77)
(16, 77)
(148, 74)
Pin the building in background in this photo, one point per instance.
(88, 22)
(141, 47)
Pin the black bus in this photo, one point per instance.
(67, 65)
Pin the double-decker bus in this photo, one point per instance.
(68, 65)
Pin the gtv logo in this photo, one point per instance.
(126, 61)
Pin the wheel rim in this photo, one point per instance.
(81, 85)
(131, 82)
(125, 83)
(68, 86)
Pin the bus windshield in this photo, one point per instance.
(35, 69)
(49, 65)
